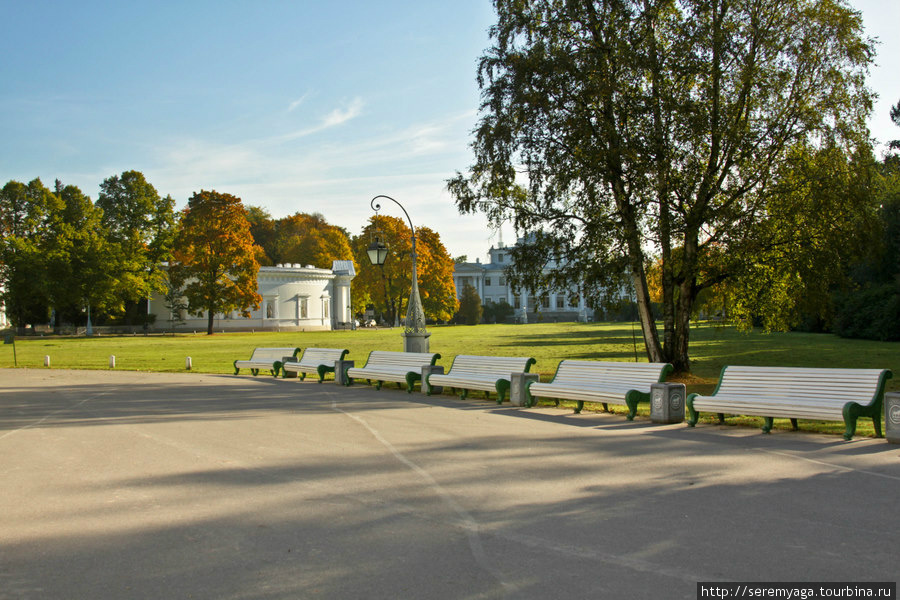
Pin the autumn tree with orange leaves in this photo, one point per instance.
(214, 262)
(388, 288)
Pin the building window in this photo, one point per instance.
(502, 280)
(499, 257)
(487, 281)
(560, 301)
(545, 301)
(488, 300)
(517, 302)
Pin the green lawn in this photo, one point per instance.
(712, 347)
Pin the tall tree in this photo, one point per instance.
(79, 256)
(821, 219)
(895, 117)
(141, 226)
(435, 267)
(214, 258)
(388, 287)
(262, 228)
(616, 129)
(24, 214)
(470, 309)
(308, 239)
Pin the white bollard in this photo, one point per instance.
(187, 363)
(47, 360)
(112, 361)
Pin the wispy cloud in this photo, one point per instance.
(336, 117)
(296, 103)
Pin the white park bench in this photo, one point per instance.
(399, 367)
(598, 381)
(314, 360)
(796, 393)
(264, 358)
(484, 373)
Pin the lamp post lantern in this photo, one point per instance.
(415, 336)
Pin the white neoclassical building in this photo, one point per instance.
(294, 298)
(489, 280)
(4, 323)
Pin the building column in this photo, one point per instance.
(342, 310)
(524, 299)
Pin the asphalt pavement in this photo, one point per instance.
(121, 484)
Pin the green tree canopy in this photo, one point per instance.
(78, 257)
(895, 117)
(141, 226)
(24, 214)
(470, 309)
(613, 131)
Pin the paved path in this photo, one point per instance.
(137, 485)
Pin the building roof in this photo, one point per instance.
(343, 267)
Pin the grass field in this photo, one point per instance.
(712, 347)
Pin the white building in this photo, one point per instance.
(294, 298)
(489, 280)
(4, 323)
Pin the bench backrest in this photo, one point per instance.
(637, 375)
(501, 366)
(322, 356)
(404, 360)
(273, 354)
(820, 385)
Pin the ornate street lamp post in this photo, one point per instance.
(415, 337)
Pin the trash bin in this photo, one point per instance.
(340, 371)
(892, 417)
(428, 370)
(518, 387)
(667, 402)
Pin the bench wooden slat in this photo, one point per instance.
(822, 394)
(315, 360)
(397, 367)
(264, 358)
(484, 373)
(601, 381)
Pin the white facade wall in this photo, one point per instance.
(490, 282)
(4, 323)
(294, 298)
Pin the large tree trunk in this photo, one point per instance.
(679, 354)
(632, 237)
(645, 313)
(210, 320)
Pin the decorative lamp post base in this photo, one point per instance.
(416, 342)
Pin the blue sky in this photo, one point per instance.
(293, 106)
